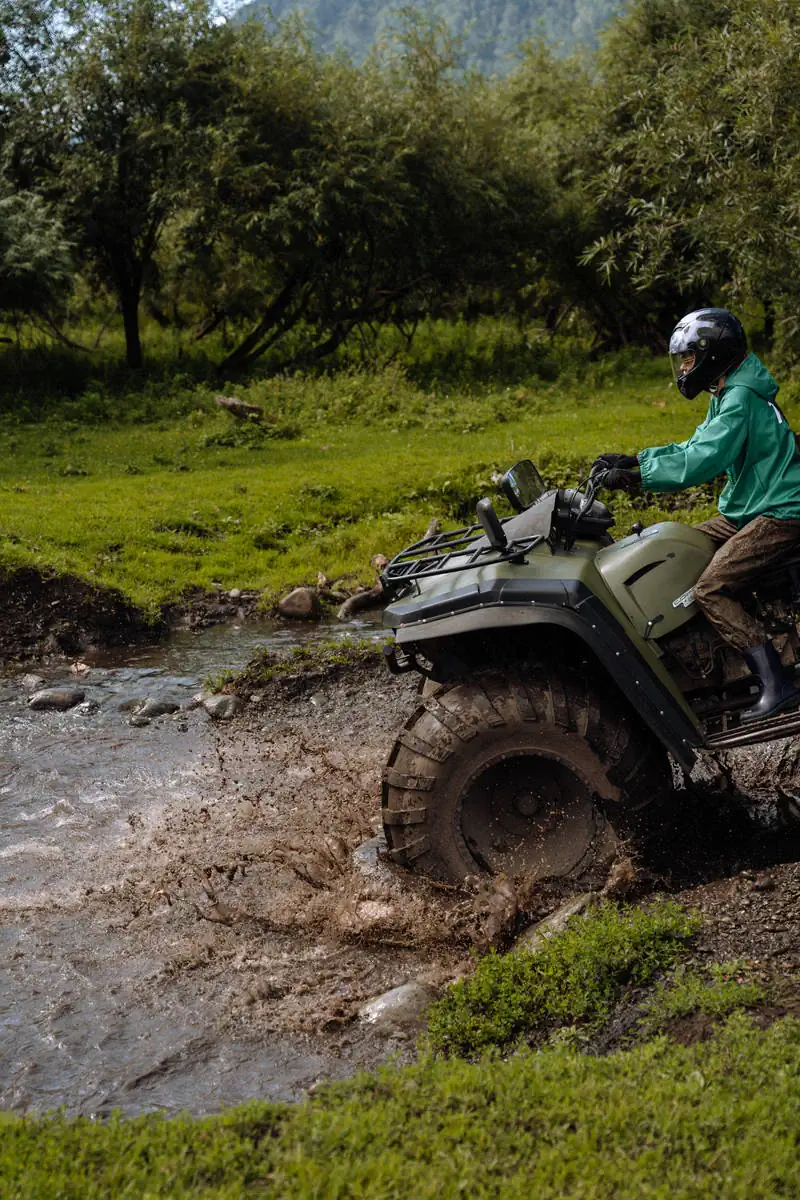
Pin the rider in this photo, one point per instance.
(746, 435)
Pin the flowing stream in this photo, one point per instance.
(78, 1027)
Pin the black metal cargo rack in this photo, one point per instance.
(453, 550)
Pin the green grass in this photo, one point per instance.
(659, 1121)
(154, 507)
(574, 979)
(716, 992)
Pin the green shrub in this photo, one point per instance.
(575, 978)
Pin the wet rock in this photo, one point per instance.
(58, 698)
(538, 936)
(235, 594)
(131, 705)
(222, 708)
(366, 857)
(138, 722)
(88, 707)
(402, 1009)
(157, 708)
(33, 683)
(302, 604)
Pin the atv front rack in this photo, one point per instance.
(453, 550)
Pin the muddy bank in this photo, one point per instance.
(61, 615)
(56, 616)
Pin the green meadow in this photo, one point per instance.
(159, 491)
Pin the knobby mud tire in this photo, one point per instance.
(489, 735)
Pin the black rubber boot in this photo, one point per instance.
(777, 693)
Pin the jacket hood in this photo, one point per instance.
(754, 375)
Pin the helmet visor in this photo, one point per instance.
(682, 363)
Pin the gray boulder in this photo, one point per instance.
(302, 604)
(156, 708)
(222, 708)
(537, 936)
(57, 698)
(402, 1009)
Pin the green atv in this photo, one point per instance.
(560, 673)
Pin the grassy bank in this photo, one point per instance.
(658, 1119)
(172, 493)
(661, 1121)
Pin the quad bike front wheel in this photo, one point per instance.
(530, 772)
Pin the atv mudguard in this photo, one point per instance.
(572, 596)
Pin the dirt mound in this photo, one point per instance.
(62, 615)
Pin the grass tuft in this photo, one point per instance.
(722, 989)
(574, 979)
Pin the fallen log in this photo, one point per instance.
(368, 598)
(239, 408)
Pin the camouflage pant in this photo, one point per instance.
(742, 555)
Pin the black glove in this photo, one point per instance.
(625, 481)
(612, 462)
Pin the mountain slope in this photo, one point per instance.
(491, 32)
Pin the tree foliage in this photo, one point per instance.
(109, 105)
(35, 257)
(230, 175)
(701, 146)
(359, 196)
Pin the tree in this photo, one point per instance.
(701, 153)
(360, 196)
(110, 103)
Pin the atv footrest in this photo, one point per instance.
(770, 730)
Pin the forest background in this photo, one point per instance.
(401, 259)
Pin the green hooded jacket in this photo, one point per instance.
(745, 435)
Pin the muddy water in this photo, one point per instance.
(81, 1022)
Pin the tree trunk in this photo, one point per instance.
(275, 313)
(769, 322)
(129, 303)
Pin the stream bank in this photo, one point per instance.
(187, 920)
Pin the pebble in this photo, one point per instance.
(58, 698)
(222, 708)
(157, 708)
(235, 594)
(138, 722)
